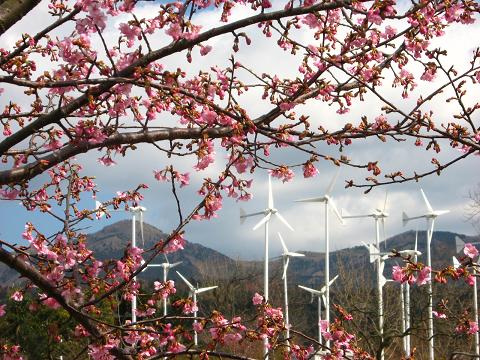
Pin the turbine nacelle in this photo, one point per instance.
(267, 213)
(137, 209)
(430, 214)
(375, 253)
(318, 293)
(193, 289)
(286, 256)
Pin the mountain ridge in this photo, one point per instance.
(200, 262)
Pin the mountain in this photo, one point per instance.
(203, 264)
(110, 242)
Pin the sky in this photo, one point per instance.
(225, 233)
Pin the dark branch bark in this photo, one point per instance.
(173, 48)
(11, 11)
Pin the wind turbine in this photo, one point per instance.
(267, 213)
(194, 291)
(460, 244)
(430, 216)
(286, 260)
(166, 267)
(378, 215)
(321, 295)
(329, 204)
(136, 210)
(405, 288)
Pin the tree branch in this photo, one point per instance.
(11, 11)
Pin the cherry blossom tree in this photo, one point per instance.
(102, 80)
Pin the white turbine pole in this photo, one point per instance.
(320, 319)
(379, 287)
(267, 213)
(430, 216)
(286, 260)
(327, 270)
(195, 335)
(166, 267)
(407, 317)
(165, 299)
(328, 201)
(475, 295)
(377, 215)
(431, 349)
(319, 294)
(403, 325)
(194, 291)
(285, 289)
(475, 310)
(265, 265)
(134, 244)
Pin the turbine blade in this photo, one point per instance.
(383, 280)
(385, 202)
(333, 280)
(384, 234)
(294, 254)
(324, 300)
(282, 219)
(192, 288)
(284, 247)
(416, 240)
(429, 207)
(335, 210)
(242, 216)
(405, 218)
(332, 182)
(315, 199)
(270, 192)
(174, 264)
(201, 290)
(263, 221)
(98, 208)
(285, 267)
(311, 291)
(141, 228)
(456, 263)
(459, 244)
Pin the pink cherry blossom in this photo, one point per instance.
(424, 276)
(309, 170)
(257, 299)
(473, 329)
(470, 280)
(17, 296)
(439, 315)
(470, 250)
(2, 310)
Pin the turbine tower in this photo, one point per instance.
(321, 295)
(267, 213)
(405, 287)
(194, 291)
(378, 215)
(286, 260)
(329, 204)
(166, 267)
(460, 244)
(136, 210)
(430, 216)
